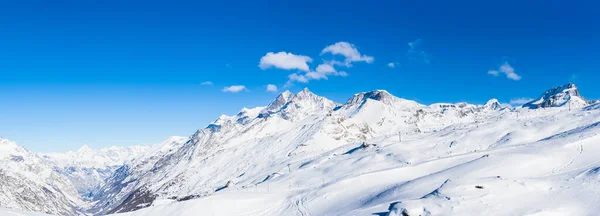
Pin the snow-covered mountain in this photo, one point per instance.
(449, 159)
(87, 168)
(376, 154)
(565, 95)
(29, 182)
(256, 145)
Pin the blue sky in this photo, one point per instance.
(108, 73)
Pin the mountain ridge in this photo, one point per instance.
(261, 145)
(310, 123)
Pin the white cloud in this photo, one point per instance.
(335, 63)
(509, 71)
(301, 78)
(414, 44)
(349, 51)
(290, 61)
(206, 83)
(271, 88)
(416, 53)
(234, 88)
(315, 76)
(506, 69)
(297, 78)
(391, 65)
(286, 61)
(325, 69)
(520, 101)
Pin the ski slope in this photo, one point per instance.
(543, 163)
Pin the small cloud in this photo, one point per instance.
(228, 65)
(416, 53)
(284, 60)
(415, 44)
(391, 65)
(234, 88)
(314, 76)
(206, 83)
(506, 69)
(271, 88)
(297, 78)
(323, 71)
(520, 101)
(349, 51)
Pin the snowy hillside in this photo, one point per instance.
(485, 160)
(249, 150)
(376, 154)
(87, 168)
(28, 182)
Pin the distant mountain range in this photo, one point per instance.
(272, 146)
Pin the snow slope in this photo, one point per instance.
(545, 162)
(304, 130)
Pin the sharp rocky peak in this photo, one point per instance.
(85, 148)
(569, 89)
(305, 96)
(305, 93)
(378, 95)
(8, 147)
(567, 94)
(492, 101)
(280, 101)
(493, 104)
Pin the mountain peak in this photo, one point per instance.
(287, 94)
(567, 94)
(8, 147)
(279, 102)
(494, 104)
(306, 103)
(84, 148)
(244, 109)
(304, 92)
(250, 112)
(492, 101)
(378, 95)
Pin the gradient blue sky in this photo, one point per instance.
(108, 73)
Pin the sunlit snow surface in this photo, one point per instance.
(543, 163)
